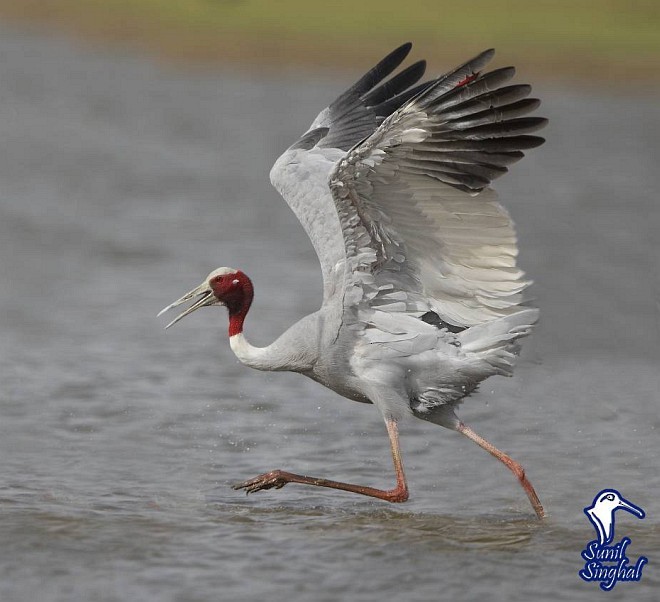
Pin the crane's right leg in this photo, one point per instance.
(509, 462)
(278, 478)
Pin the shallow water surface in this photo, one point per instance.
(122, 184)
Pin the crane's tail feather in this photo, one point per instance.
(496, 342)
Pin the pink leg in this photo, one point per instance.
(278, 478)
(509, 462)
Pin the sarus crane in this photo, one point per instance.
(422, 297)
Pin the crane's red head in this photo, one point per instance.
(224, 286)
(233, 289)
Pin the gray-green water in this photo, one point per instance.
(122, 184)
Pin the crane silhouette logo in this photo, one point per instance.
(606, 562)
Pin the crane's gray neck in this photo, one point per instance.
(238, 302)
(255, 357)
(296, 350)
(238, 305)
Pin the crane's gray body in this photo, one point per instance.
(422, 297)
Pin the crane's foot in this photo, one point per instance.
(274, 479)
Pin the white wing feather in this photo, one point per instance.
(430, 239)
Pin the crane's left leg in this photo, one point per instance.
(509, 462)
(278, 478)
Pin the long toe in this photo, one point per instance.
(268, 480)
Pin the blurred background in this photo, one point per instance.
(596, 40)
(137, 137)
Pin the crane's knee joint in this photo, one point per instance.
(399, 496)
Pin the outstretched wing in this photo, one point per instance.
(301, 173)
(419, 222)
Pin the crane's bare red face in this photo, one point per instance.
(230, 288)
(225, 285)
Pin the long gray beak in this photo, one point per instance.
(626, 505)
(206, 297)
